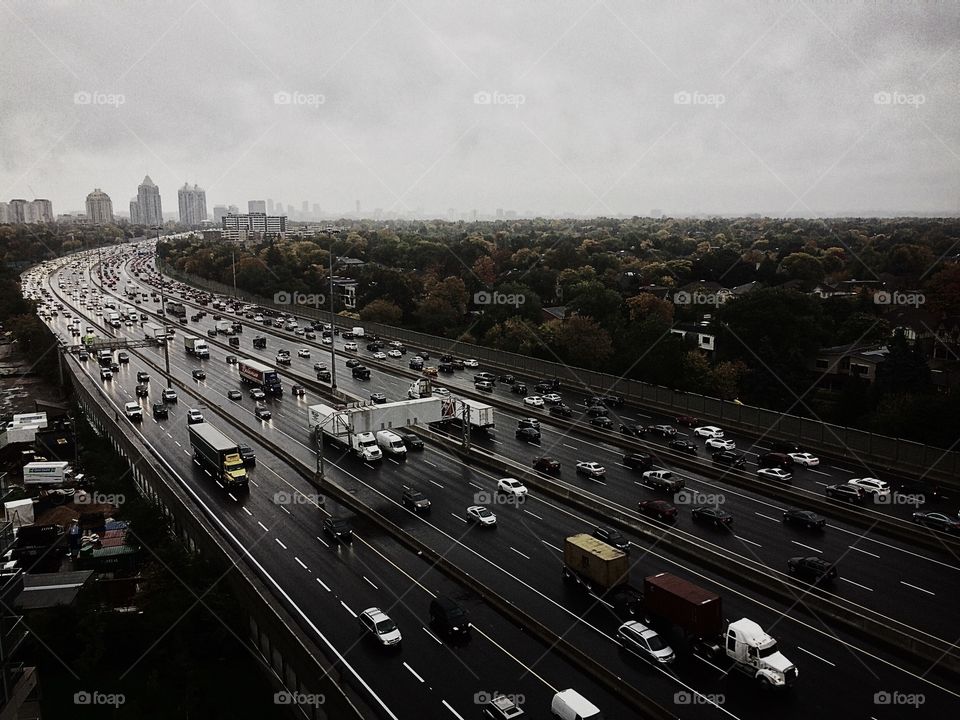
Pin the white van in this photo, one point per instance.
(391, 443)
(571, 705)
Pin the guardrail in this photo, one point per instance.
(878, 451)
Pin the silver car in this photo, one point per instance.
(643, 641)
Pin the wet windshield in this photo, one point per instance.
(767, 652)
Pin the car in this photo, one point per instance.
(775, 473)
(199, 375)
(720, 444)
(379, 355)
(353, 362)
(297, 391)
(231, 359)
(511, 486)
(774, 460)
(545, 386)
(663, 480)
(415, 500)
(603, 422)
(351, 346)
(411, 440)
(812, 569)
(806, 518)
(844, 491)
(641, 640)
(326, 340)
(638, 461)
(210, 333)
(317, 367)
(872, 486)
(143, 377)
(547, 465)
(684, 446)
(502, 707)
(234, 395)
(714, 515)
(484, 386)
(133, 411)
(83, 355)
(708, 431)
(665, 431)
(123, 358)
(729, 457)
(552, 399)
(633, 429)
(595, 411)
(611, 537)
(394, 353)
(142, 391)
(430, 371)
(561, 410)
(480, 514)
(518, 388)
(378, 397)
(194, 417)
(489, 377)
(106, 374)
(937, 521)
(303, 352)
(169, 395)
(374, 346)
(257, 394)
(658, 509)
(378, 625)
(338, 528)
(508, 379)
(310, 335)
(324, 376)
(299, 332)
(416, 363)
(283, 358)
(687, 420)
(423, 355)
(160, 411)
(804, 459)
(448, 617)
(784, 446)
(440, 391)
(529, 434)
(591, 469)
(531, 422)
(471, 363)
(247, 454)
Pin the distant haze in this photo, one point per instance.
(614, 107)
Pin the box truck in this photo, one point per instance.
(263, 376)
(196, 347)
(218, 455)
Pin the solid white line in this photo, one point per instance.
(917, 588)
(412, 672)
(534, 515)
(765, 516)
(438, 641)
(519, 553)
(856, 583)
(322, 583)
(347, 608)
(370, 583)
(807, 547)
(280, 543)
(802, 649)
(854, 547)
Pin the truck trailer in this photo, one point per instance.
(47, 473)
(224, 327)
(176, 309)
(336, 427)
(196, 347)
(218, 455)
(263, 376)
(155, 332)
(480, 414)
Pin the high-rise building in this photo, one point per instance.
(135, 212)
(18, 210)
(269, 206)
(233, 210)
(99, 207)
(42, 210)
(218, 212)
(316, 211)
(257, 206)
(193, 205)
(305, 210)
(4, 212)
(149, 210)
(244, 227)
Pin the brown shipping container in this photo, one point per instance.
(697, 611)
(603, 565)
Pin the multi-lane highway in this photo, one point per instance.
(520, 559)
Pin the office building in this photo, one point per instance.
(18, 210)
(269, 206)
(218, 212)
(258, 207)
(148, 209)
(134, 212)
(99, 207)
(4, 212)
(193, 205)
(43, 210)
(251, 226)
(233, 210)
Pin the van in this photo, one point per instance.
(391, 443)
(571, 705)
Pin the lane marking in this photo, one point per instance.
(323, 585)
(412, 671)
(265, 528)
(743, 539)
(370, 583)
(280, 543)
(802, 649)
(300, 563)
(854, 547)
(347, 608)
(527, 557)
(807, 547)
(852, 582)
(916, 587)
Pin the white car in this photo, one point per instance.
(804, 459)
(872, 486)
(533, 401)
(379, 356)
(552, 398)
(440, 391)
(470, 363)
(720, 444)
(511, 486)
(708, 431)
(327, 341)
(482, 515)
(379, 625)
(775, 473)
(394, 353)
(593, 469)
(303, 352)
(133, 411)
(350, 346)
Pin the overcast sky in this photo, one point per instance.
(598, 108)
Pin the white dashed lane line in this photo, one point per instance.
(347, 608)
(916, 587)
(300, 563)
(413, 672)
(323, 585)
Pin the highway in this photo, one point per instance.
(521, 558)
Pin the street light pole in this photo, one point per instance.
(333, 343)
(163, 311)
(319, 432)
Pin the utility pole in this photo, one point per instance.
(163, 310)
(319, 432)
(466, 427)
(333, 353)
(233, 256)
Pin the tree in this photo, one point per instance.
(903, 370)
(593, 299)
(803, 267)
(645, 305)
(578, 341)
(382, 311)
(943, 291)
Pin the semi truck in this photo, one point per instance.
(218, 455)
(23, 428)
(263, 376)
(176, 309)
(154, 332)
(336, 427)
(601, 570)
(480, 414)
(698, 614)
(196, 347)
(224, 327)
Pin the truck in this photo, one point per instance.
(698, 614)
(218, 455)
(47, 473)
(336, 427)
(263, 376)
(155, 332)
(601, 570)
(114, 319)
(105, 358)
(358, 332)
(23, 428)
(224, 327)
(130, 290)
(196, 347)
(480, 414)
(176, 309)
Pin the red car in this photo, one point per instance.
(658, 509)
(687, 420)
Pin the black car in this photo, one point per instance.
(666, 431)
(445, 367)
(142, 391)
(259, 342)
(262, 412)
(812, 569)
(234, 395)
(597, 411)
(602, 422)
(160, 410)
(729, 457)
(415, 500)
(508, 379)
(518, 389)
(528, 433)
(561, 410)
(123, 358)
(423, 355)
(684, 446)
(324, 376)
(633, 429)
(611, 537)
(360, 372)
(638, 461)
(143, 377)
(448, 617)
(775, 460)
(374, 346)
(231, 359)
(806, 518)
(338, 528)
(234, 342)
(210, 333)
(199, 375)
(845, 491)
(457, 364)
(247, 454)
(658, 509)
(297, 390)
(547, 465)
(410, 439)
(352, 363)
(545, 386)
(720, 518)
(937, 521)
(785, 447)
(416, 363)
(378, 398)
